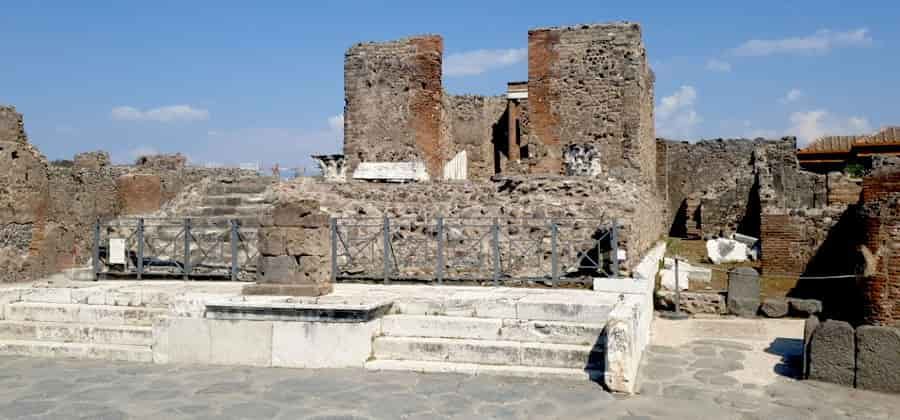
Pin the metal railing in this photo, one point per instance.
(167, 247)
(498, 250)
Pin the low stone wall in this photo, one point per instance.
(866, 357)
(628, 327)
(633, 205)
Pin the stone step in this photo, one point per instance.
(233, 200)
(476, 369)
(76, 333)
(228, 211)
(82, 314)
(487, 352)
(76, 350)
(240, 187)
(552, 305)
(492, 329)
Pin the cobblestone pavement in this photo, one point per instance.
(686, 382)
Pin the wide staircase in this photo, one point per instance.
(514, 338)
(231, 198)
(51, 325)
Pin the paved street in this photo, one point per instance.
(687, 382)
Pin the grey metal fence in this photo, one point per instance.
(175, 247)
(492, 250)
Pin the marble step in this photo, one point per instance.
(558, 332)
(487, 352)
(476, 369)
(82, 314)
(76, 333)
(76, 350)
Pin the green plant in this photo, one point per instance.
(855, 170)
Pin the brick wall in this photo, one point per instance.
(393, 103)
(591, 84)
(880, 211)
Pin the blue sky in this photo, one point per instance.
(237, 81)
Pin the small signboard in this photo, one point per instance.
(622, 256)
(117, 250)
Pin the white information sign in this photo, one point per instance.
(117, 250)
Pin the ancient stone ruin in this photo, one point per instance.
(560, 184)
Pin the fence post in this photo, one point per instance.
(614, 245)
(677, 291)
(387, 250)
(554, 252)
(187, 248)
(234, 249)
(334, 239)
(96, 250)
(495, 244)
(140, 256)
(439, 270)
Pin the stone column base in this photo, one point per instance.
(288, 289)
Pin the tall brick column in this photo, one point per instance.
(294, 248)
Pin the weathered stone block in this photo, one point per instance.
(278, 269)
(774, 307)
(322, 344)
(809, 326)
(878, 358)
(312, 241)
(832, 353)
(743, 292)
(805, 307)
(298, 213)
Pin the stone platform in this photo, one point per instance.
(473, 330)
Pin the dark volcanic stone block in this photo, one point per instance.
(743, 292)
(805, 307)
(832, 353)
(774, 307)
(809, 327)
(878, 358)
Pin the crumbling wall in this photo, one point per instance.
(880, 212)
(708, 185)
(393, 103)
(476, 124)
(842, 189)
(632, 204)
(24, 199)
(591, 84)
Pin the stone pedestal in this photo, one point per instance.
(743, 292)
(294, 248)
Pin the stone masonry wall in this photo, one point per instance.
(47, 211)
(718, 175)
(591, 84)
(393, 103)
(633, 205)
(475, 123)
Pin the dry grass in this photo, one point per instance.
(694, 252)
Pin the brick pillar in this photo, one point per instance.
(512, 144)
(294, 249)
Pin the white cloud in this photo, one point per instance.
(336, 122)
(792, 95)
(820, 42)
(676, 116)
(169, 113)
(810, 125)
(470, 63)
(715, 64)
